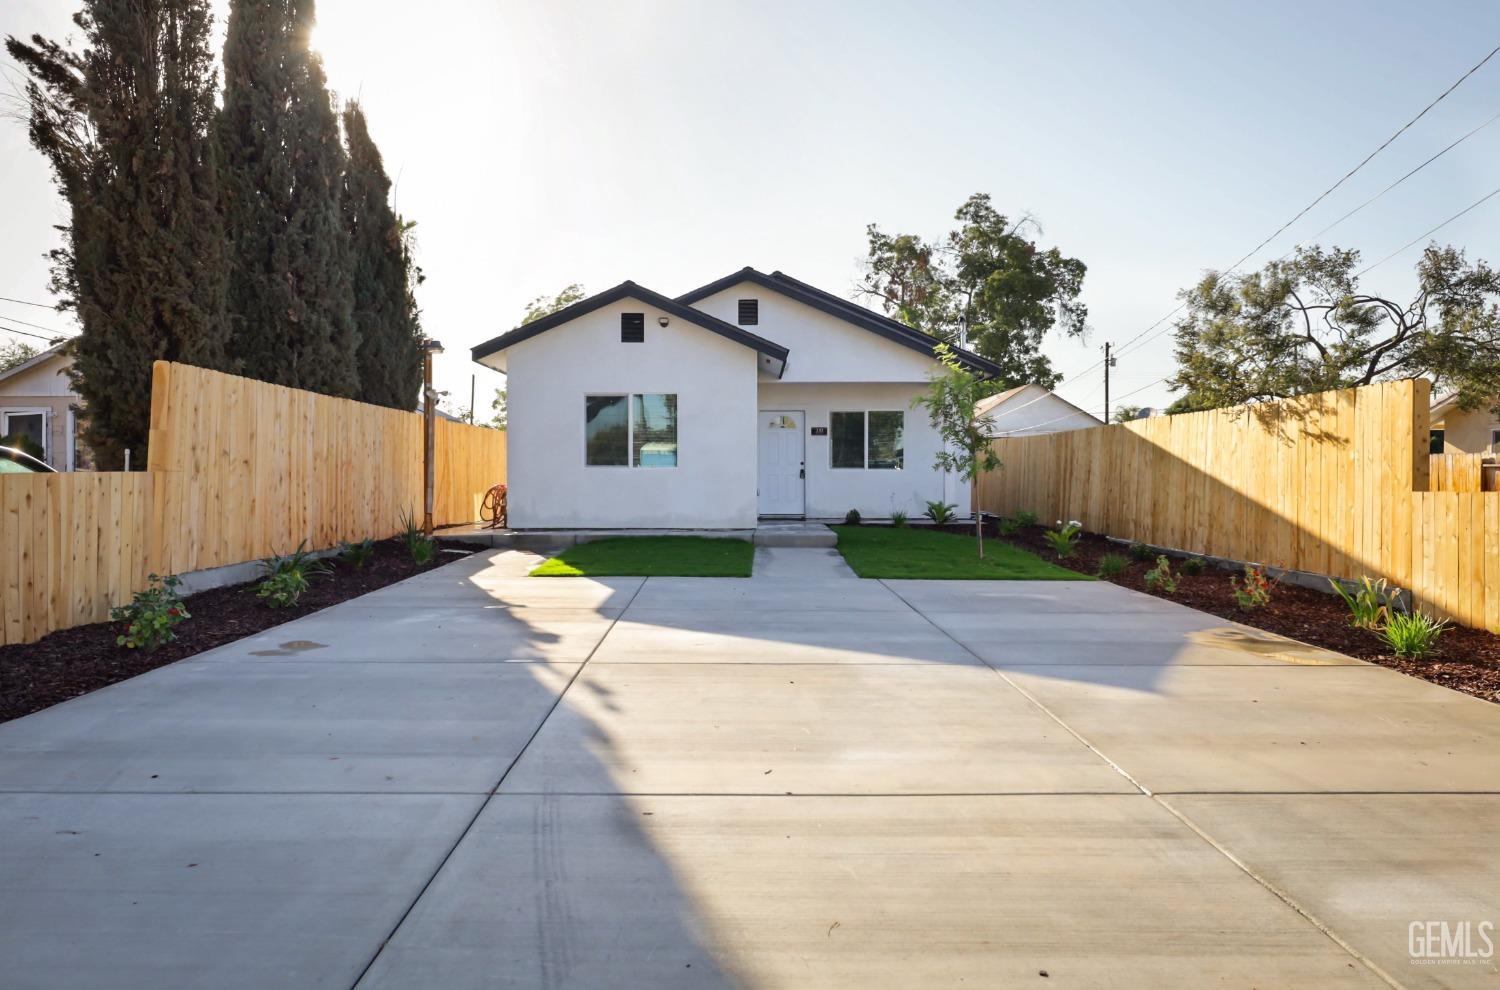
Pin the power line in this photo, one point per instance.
(27, 333)
(1492, 193)
(1347, 175)
(1366, 161)
(28, 302)
(1398, 182)
(34, 326)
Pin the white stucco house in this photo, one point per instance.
(1030, 410)
(755, 396)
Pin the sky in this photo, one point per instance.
(542, 143)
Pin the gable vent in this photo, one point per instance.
(632, 328)
(749, 312)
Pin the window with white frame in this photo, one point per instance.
(637, 429)
(870, 440)
(28, 425)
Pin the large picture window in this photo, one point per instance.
(635, 430)
(874, 440)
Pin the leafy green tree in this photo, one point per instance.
(951, 402)
(987, 286)
(1305, 325)
(547, 305)
(385, 312)
(1124, 414)
(124, 119)
(291, 294)
(14, 353)
(500, 419)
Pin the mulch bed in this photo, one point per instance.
(1468, 660)
(71, 662)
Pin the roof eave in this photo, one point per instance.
(629, 289)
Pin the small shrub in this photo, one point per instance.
(1192, 567)
(419, 545)
(357, 553)
(1025, 518)
(1009, 526)
(1254, 591)
(941, 513)
(898, 518)
(1367, 605)
(288, 576)
(852, 517)
(151, 614)
(1064, 539)
(1113, 565)
(1139, 551)
(284, 589)
(1160, 577)
(1412, 634)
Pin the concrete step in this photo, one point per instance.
(795, 534)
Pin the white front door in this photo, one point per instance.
(782, 463)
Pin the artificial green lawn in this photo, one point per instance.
(905, 552)
(652, 556)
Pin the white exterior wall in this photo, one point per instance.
(823, 348)
(713, 485)
(1033, 411)
(835, 366)
(831, 492)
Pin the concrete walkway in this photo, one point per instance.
(800, 779)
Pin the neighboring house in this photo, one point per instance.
(37, 401)
(1030, 410)
(753, 396)
(1458, 431)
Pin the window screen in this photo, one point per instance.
(846, 439)
(653, 441)
(886, 431)
(606, 431)
(632, 328)
(749, 312)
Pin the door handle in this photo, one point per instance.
(802, 471)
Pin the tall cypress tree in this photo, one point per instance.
(125, 122)
(291, 290)
(390, 358)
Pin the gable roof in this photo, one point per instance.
(630, 290)
(849, 312)
(992, 403)
(38, 358)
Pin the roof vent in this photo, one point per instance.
(632, 328)
(749, 312)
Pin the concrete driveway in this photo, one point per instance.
(801, 779)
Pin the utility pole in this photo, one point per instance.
(1106, 383)
(471, 400)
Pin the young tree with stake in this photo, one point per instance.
(951, 402)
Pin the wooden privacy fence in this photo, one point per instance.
(1335, 483)
(1462, 473)
(237, 470)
